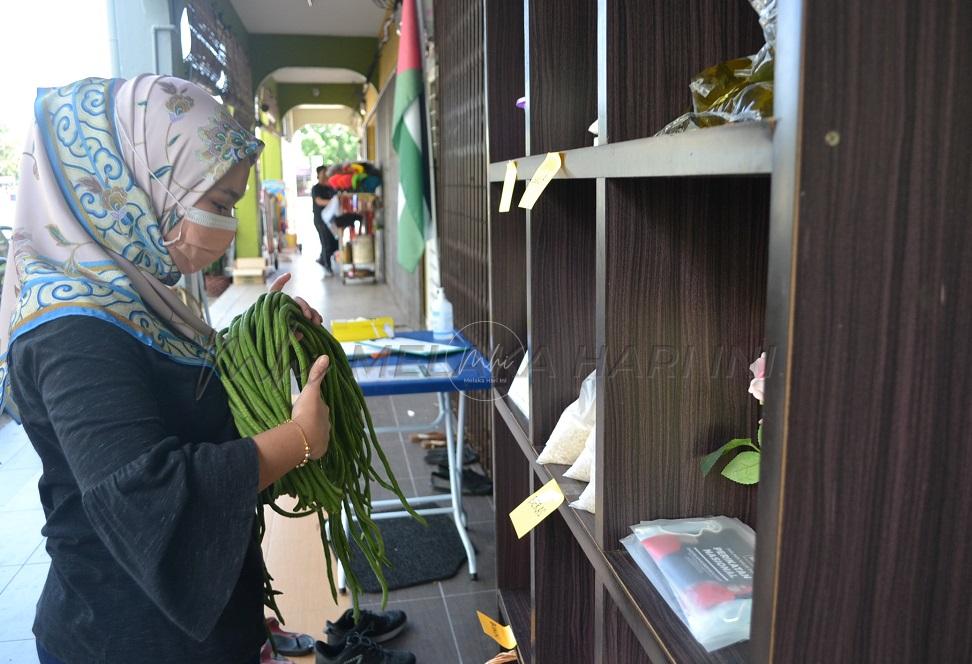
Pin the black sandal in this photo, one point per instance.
(441, 456)
(473, 484)
(289, 643)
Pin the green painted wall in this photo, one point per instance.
(271, 161)
(294, 94)
(271, 52)
(248, 216)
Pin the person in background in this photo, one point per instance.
(322, 194)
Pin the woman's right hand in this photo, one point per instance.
(311, 413)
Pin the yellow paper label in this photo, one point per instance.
(509, 181)
(502, 634)
(540, 180)
(536, 508)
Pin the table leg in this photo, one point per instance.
(454, 452)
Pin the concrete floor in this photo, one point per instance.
(442, 615)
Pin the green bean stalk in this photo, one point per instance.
(256, 357)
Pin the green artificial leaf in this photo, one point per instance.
(744, 468)
(710, 460)
(173, 139)
(57, 235)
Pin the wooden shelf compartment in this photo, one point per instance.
(516, 607)
(652, 49)
(658, 630)
(738, 149)
(683, 296)
(561, 66)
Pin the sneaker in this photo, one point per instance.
(379, 627)
(359, 649)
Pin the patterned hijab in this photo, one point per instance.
(110, 167)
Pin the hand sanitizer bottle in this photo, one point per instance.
(441, 317)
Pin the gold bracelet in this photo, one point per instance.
(303, 437)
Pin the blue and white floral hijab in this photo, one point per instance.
(108, 170)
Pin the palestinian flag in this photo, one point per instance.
(407, 139)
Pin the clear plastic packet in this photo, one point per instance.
(567, 440)
(704, 570)
(739, 90)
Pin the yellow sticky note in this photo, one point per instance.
(502, 634)
(536, 508)
(509, 181)
(540, 180)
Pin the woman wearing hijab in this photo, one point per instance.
(148, 490)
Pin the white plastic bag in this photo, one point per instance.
(520, 387)
(586, 500)
(567, 440)
(581, 470)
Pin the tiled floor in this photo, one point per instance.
(442, 615)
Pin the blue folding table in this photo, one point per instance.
(442, 374)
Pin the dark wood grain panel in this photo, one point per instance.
(508, 294)
(461, 200)
(563, 595)
(655, 47)
(505, 79)
(684, 265)
(618, 643)
(561, 307)
(874, 558)
(512, 473)
(517, 608)
(562, 100)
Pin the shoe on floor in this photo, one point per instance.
(289, 643)
(473, 483)
(267, 656)
(440, 456)
(359, 649)
(379, 627)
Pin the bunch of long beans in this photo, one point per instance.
(257, 356)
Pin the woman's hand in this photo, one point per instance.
(311, 413)
(309, 312)
(281, 448)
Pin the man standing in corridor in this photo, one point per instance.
(321, 195)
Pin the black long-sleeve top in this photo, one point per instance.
(150, 496)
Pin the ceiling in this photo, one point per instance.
(344, 18)
(317, 75)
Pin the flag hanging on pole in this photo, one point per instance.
(407, 140)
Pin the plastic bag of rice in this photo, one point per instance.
(581, 470)
(574, 426)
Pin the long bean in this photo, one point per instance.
(257, 356)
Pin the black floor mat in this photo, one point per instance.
(418, 554)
